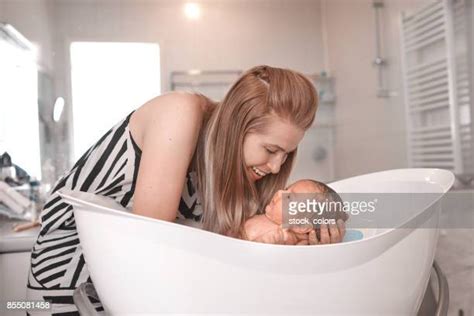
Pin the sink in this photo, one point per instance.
(11, 241)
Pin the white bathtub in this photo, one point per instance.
(145, 266)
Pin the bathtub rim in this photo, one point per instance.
(76, 202)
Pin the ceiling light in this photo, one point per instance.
(192, 10)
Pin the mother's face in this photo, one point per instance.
(265, 152)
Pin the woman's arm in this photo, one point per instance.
(171, 127)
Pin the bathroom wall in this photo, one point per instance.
(236, 34)
(229, 35)
(370, 131)
(333, 35)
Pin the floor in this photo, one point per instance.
(455, 256)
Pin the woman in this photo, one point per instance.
(235, 154)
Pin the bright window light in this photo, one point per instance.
(192, 10)
(58, 109)
(19, 120)
(109, 80)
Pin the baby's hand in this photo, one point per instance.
(282, 236)
(277, 237)
(299, 234)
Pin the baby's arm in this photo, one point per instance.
(259, 225)
(297, 235)
(261, 229)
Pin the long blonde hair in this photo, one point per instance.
(228, 195)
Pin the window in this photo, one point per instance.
(19, 126)
(109, 80)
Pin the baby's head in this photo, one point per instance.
(321, 192)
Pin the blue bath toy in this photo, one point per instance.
(352, 235)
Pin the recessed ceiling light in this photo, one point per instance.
(192, 10)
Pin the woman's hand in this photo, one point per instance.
(328, 235)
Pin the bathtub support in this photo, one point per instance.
(429, 307)
(443, 291)
(436, 305)
(81, 299)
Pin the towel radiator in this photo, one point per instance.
(437, 87)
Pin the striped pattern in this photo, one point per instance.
(108, 168)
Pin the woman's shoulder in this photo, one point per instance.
(174, 102)
(184, 108)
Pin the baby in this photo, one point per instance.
(267, 228)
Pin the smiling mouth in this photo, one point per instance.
(258, 172)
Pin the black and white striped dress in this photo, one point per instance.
(108, 168)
